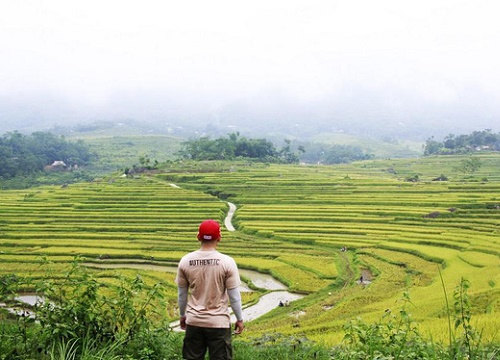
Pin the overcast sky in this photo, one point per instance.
(437, 54)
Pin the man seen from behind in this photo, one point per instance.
(207, 282)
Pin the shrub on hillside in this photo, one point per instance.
(80, 314)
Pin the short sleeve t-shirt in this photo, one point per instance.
(208, 275)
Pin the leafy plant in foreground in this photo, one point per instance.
(78, 307)
(395, 336)
(471, 338)
(279, 346)
(84, 349)
(81, 319)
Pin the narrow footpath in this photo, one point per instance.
(229, 217)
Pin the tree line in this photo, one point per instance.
(22, 155)
(329, 154)
(235, 146)
(463, 144)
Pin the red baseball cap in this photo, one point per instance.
(209, 230)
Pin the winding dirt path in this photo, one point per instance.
(229, 217)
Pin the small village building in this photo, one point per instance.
(57, 166)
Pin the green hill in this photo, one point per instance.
(292, 222)
(121, 151)
(388, 148)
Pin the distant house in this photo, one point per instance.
(57, 166)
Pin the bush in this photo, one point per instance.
(81, 316)
(413, 178)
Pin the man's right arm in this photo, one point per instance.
(235, 301)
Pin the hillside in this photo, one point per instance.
(121, 151)
(145, 139)
(380, 148)
(291, 222)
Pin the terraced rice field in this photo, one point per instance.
(291, 222)
(398, 234)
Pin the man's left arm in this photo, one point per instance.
(182, 295)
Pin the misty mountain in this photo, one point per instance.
(364, 113)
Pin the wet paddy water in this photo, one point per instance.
(277, 292)
(267, 302)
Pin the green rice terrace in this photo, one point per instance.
(352, 239)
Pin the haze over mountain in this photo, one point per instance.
(378, 68)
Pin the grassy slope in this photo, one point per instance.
(377, 147)
(121, 151)
(272, 191)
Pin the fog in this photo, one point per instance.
(386, 67)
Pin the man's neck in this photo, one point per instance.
(209, 245)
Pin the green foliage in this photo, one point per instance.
(441, 177)
(333, 154)
(463, 314)
(279, 346)
(234, 147)
(120, 152)
(80, 316)
(145, 165)
(9, 286)
(77, 307)
(62, 178)
(413, 178)
(432, 146)
(85, 349)
(24, 155)
(18, 338)
(452, 144)
(397, 336)
(59, 334)
(469, 165)
(381, 148)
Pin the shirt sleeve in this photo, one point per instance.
(235, 301)
(182, 295)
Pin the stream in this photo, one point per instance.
(29, 299)
(277, 290)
